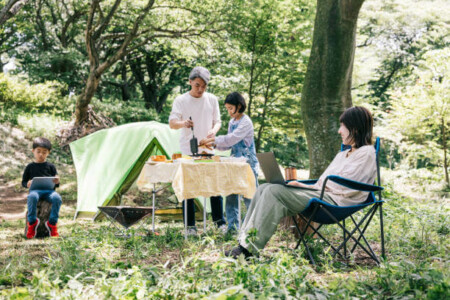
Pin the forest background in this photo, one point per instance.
(138, 55)
(259, 49)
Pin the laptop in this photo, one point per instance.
(271, 170)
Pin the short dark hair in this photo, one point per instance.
(359, 122)
(235, 99)
(42, 142)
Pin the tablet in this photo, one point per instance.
(42, 183)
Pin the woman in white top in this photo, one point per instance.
(272, 202)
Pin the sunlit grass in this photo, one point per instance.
(89, 261)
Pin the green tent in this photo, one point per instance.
(110, 160)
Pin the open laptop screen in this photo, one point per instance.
(270, 168)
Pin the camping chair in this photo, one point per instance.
(324, 213)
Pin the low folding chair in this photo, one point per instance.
(324, 213)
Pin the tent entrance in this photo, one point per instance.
(164, 214)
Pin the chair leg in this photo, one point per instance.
(345, 244)
(350, 234)
(303, 241)
(383, 253)
(361, 233)
(316, 231)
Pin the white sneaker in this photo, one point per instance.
(223, 228)
(191, 232)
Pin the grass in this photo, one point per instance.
(90, 262)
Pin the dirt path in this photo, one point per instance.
(12, 203)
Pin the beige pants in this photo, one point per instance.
(271, 203)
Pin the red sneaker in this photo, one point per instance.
(52, 230)
(32, 229)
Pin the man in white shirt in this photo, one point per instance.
(203, 108)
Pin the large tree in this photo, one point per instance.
(113, 32)
(327, 89)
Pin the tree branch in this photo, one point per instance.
(106, 20)
(11, 9)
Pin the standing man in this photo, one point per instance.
(203, 108)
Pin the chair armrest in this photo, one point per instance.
(355, 185)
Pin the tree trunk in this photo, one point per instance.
(125, 87)
(85, 98)
(263, 117)
(43, 213)
(327, 88)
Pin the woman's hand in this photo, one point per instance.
(56, 180)
(28, 183)
(296, 183)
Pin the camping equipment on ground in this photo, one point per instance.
(126, 216)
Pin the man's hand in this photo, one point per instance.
(188, 123)
(211, 133)
(56, 180)
(28, 183)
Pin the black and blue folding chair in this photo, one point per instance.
(323, 213)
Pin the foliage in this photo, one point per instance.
(400, 73)
(126, 112)
(54, 50)
(407, 39)
(266, 54)
(421, 114)
(17, 97)
(90, 261)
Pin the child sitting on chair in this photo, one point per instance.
(41, 168)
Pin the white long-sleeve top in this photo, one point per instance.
(360, 166)
(244, 131)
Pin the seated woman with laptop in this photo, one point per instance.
(272, 202)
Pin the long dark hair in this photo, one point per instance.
(359, 123)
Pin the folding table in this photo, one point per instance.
(206, 179)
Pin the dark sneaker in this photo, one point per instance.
(235, 252)
(32, 229)
(52, 229)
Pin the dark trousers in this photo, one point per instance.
(216, 211)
